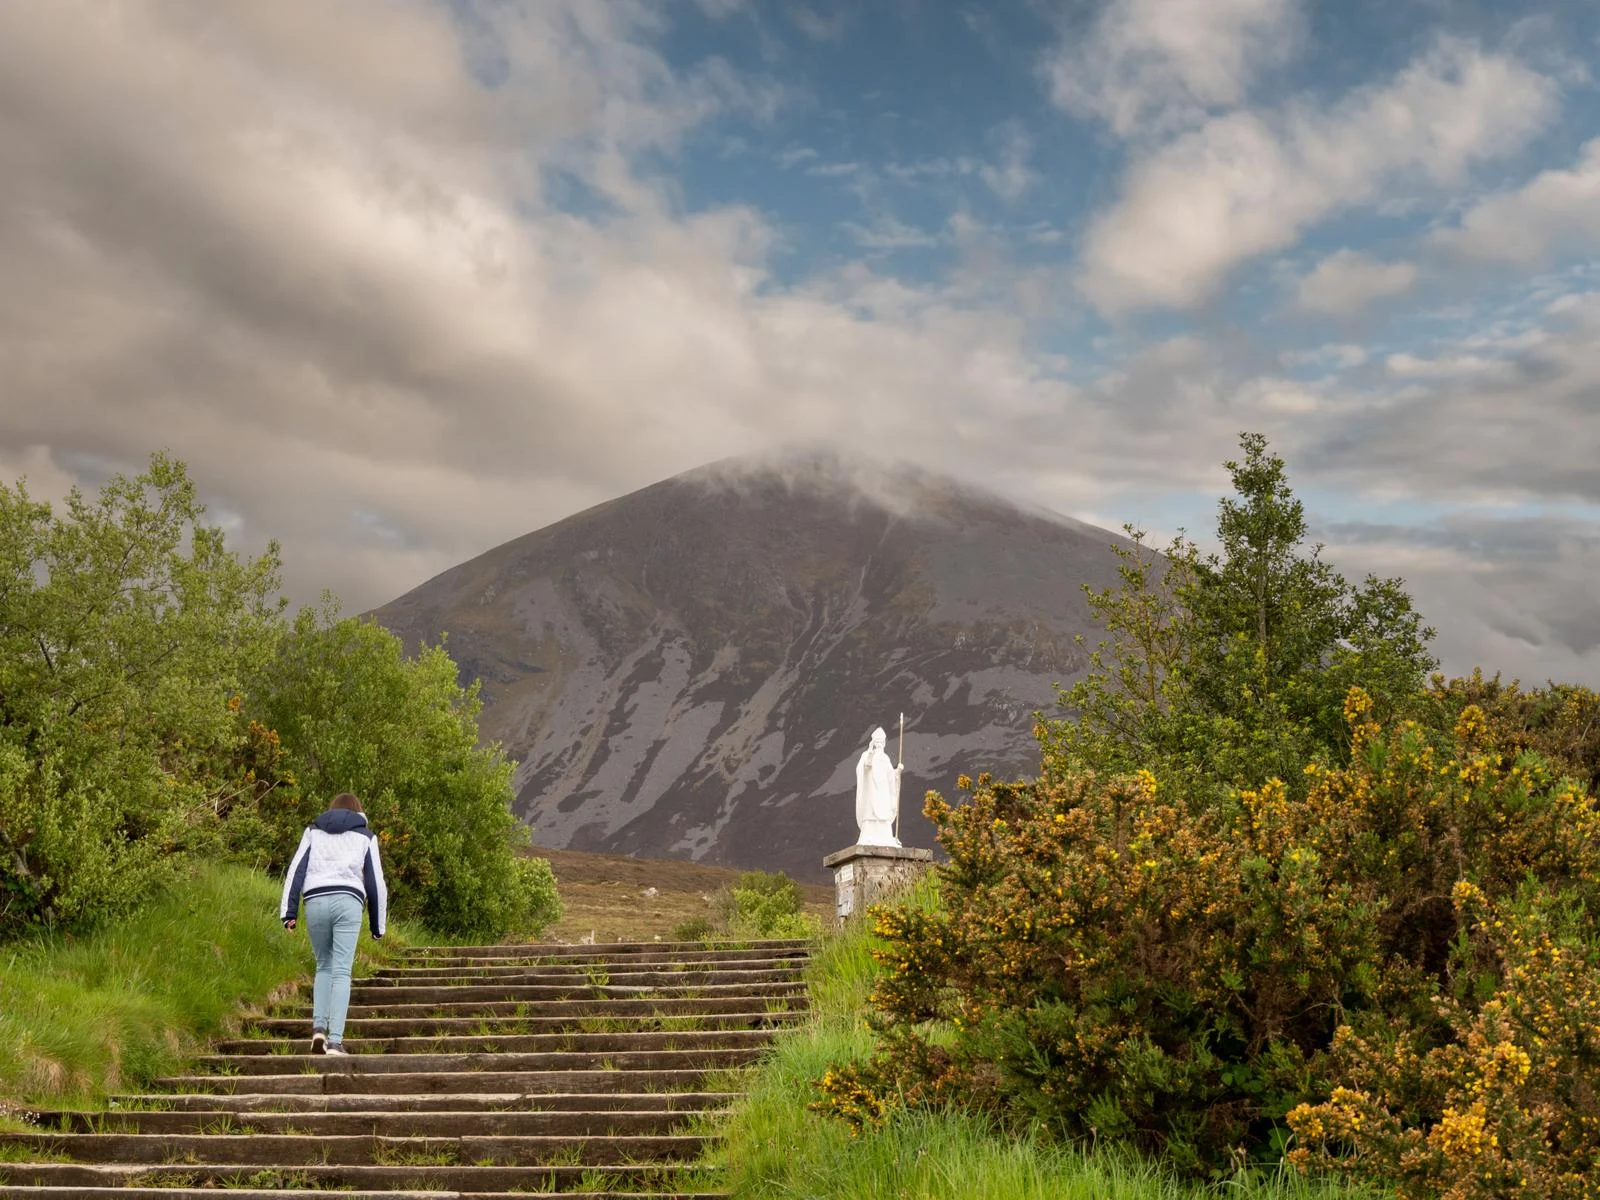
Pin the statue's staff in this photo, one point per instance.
(897, 782)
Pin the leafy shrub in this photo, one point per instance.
(1560, 723)
(1118, 962)
(762, 904)
(696, 929)
(536, 885)
(67, 862)
(1488, 1087)
(1494, 1097)
(125, 627)
(354, 713)
(769, 905)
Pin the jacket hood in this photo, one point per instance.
(340, 820)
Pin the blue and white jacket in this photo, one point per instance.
(338, 853)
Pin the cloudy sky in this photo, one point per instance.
(402, 280)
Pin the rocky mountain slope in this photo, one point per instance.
(692, 670)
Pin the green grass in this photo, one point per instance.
(81, 1017)
(773, 1146)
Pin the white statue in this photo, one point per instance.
(877, 794)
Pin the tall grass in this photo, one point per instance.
(84, 1017)
(774, 1147)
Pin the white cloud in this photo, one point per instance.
(817, 26)
(309, 252)
(1267, 397)
(1569, 301)
(961, 166)
(889, 233)
(1336, 356)
(833, 169)
(1347, 281)
(1557, 210)
(793, 156)
(1248, 183)
(1154, 65)
(1449, 366)
(1007, 172)
(47, 480)
(1501, 415)
(1009, 176)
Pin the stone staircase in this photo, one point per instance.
(475, 1071)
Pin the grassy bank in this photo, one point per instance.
(82, 1017)
(776, 1148)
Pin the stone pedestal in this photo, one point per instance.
(863, 875)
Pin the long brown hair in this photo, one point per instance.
(347, 801)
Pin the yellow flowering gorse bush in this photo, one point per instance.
(1493, 1098)
(1347, 958)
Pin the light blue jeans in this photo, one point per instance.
(334, 923)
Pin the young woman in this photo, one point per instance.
(338, 872)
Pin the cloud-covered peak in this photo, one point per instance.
(854, 472)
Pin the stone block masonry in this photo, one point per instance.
(863, 875)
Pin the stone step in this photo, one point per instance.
(352, 1149)
(366, 995)
(232, 1193)
(660, 1006)
(560, 977)
(236, 1065)
(482, 1102)
(469, 968)
(607, 1179)
(602, 949)
(535, 1043)
(138, 1193)
(298, 1028)
(528, 1122)
(436, 1082)
(587, 1071)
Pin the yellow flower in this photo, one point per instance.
(1462, 1134)
(1357, 704)
(1471, 724)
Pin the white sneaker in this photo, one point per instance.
(319, 1042)
(335, 1048)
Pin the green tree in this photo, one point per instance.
(1232, 668)
(126, 625)
(1133, 702)
(354, 713)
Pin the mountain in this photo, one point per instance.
(693, 669)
